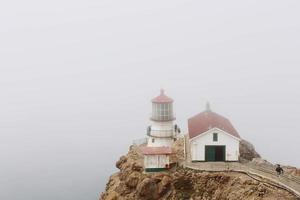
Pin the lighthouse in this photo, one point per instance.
(162, 132)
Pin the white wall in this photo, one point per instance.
(160, 142)
(198, 145)
(156, 161)
(161, 129)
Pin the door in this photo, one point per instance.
(214, 153)
(210, 153)
(220, 153)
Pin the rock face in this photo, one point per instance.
(247, 151)
(291, 170)
(131, 183)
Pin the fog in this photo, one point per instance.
(77, 77)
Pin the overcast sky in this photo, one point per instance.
(77, 77)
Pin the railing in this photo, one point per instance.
(169, 133)
(157, 136)
(184, 151)
(270, 170)
(287, 182)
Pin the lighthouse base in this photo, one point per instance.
(160, 142)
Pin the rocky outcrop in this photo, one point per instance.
(291, 170)
(131, 183)
(178, 151)
(247, 151)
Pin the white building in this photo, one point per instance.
(156, 158)
(213, 138)
(161, 134)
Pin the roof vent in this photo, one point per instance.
(208, 106)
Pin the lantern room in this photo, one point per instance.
(162, 108)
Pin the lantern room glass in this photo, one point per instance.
(162, 111)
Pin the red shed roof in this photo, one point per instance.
(162, 98)
(207, 120)
(156, 150)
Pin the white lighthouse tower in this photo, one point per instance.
(162, 132)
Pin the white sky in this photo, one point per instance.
(76, 79)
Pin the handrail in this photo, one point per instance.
(271, 171)
(184, 151)
(156, 136)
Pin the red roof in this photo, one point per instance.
(156, 150)
(208, 120)
(162, 98)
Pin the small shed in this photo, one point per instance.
(156, 158)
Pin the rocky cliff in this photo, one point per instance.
(131, 183)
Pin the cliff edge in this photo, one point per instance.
(131, 183)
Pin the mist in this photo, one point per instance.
(77, 77)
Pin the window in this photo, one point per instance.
(153, 140)
(215, 137)
(162, 111)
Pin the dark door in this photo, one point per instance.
(210, 153)
(214, 153)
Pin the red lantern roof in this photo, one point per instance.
(162, 98)
(207, 120)
(156, 150)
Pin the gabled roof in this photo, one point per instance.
(207, 120)
(156, 150)
(162, 98)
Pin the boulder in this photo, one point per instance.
(121, 162)
(247, 151)
(133, 179)
(164, 185)
(148, 189)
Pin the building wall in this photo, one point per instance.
(160, 142)
(163, 134)
(162, 129)
(156, 161)
(198, 145)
